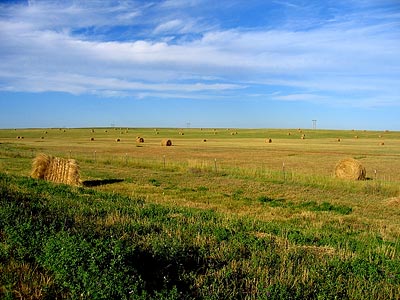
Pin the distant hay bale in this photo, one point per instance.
(351, 169)
(356, 136)
(303, 136)
(338, 140)
(166, 142)
(42, 137)
(268, 141)
(92, 138)
(139, 139)
(56, 169)
(18, 137)
(181, 133)
(204, 140)
(288, 133)
(382, 143)
(117, 140)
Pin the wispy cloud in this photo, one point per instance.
(43, 48)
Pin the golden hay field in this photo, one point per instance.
(317, 154)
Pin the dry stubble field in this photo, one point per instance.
(225, 164)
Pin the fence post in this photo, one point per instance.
(283, 171)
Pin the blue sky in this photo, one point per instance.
(251, 64)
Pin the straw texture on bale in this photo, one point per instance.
(166, 142)
(56, 169)
(351, 169)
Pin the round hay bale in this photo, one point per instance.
(350, 169)
(18, 137)
(289, 133)
(92, 138)
(42, 137)
(117, 140)
(338, 140)
(268, 141)
(356, 137)
(204, 140)
(166, 142)
(139, 139)
(382, 143)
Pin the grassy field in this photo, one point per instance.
(277, 224)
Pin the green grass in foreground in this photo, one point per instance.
(58, 242)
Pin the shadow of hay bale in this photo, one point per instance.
(98, 182)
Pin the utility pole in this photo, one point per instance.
(314, 124)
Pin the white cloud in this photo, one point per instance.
(40, 53)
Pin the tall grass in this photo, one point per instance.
(80, 243)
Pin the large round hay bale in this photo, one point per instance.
(55, 169)
(351, 169)
(139, 139)
(166, 142)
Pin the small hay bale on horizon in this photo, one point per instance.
(139, 139)
(55, 169)
(350, 169)
(166, 142)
